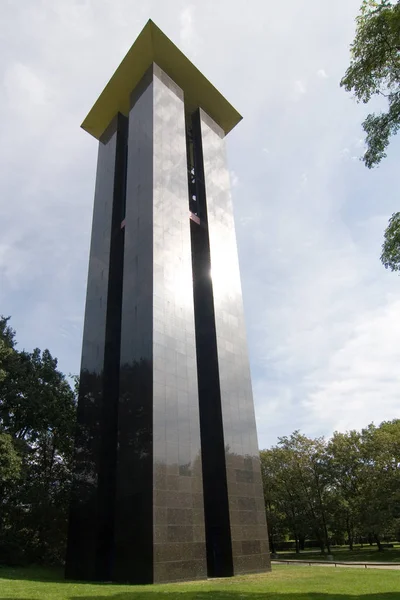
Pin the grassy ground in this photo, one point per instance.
(342, 553)
(284, 583)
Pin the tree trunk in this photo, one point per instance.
(321, 543)
(378, 543)
(269, 511)
(350, 534)
(322, 508)
(302, 542)
(327, 540)
(271, 545)
(1, 512)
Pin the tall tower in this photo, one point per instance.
(167, 479)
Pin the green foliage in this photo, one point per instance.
(37, 416)
(375, 70)
(380, 511)
(10, 461)
(390, 256)
(346, 488)
(6, 346)
(346, 473)
(295, 483)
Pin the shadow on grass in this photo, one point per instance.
(365, 556)
(227, 595)
(33, 573)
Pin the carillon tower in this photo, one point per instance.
(167, 479)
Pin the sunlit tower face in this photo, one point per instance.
(167, 478)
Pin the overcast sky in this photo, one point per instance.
(322, 314)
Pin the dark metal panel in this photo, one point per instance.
(91, 512)
(246, 504)
(159, 532)
(133, 511)
(179, 536)
(216, 505)
(109, 416)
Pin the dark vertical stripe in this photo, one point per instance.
(245, 492)
(90, 488)
(109, 416)
(216, 505)
(133, 561)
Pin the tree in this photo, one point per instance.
(381, 483)
(390, 256)
(297, 493)
(10, 462)
(347, 470)
(10, 469)
(349, 486)
(375, 71)
(310, 475)
(279, 505)
(7, 336)
(37, 413)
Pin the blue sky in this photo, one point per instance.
(322, 314)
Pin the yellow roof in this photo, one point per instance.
(152, 45)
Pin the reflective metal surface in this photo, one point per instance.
(164, 359)
(246, 502)
(92, 503)
(133, 510)
(216, 504)
(159, 481)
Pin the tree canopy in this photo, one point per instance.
(331, 491)
(375, 71)
(390, 256)
(37, 416)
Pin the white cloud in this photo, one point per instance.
(186, 22)
(300, 88)
(322, 74)
(359, 383)
(327, 335)
(234, 179)
(346, 154)
(304, 178)
(24, 87)
(188, 38)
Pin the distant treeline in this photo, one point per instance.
(338, 491)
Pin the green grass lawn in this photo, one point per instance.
(284, 583)
(342, 553)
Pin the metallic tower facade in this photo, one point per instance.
(167, 479)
